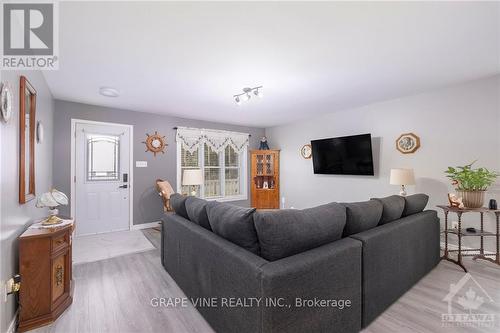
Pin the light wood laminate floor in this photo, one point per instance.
(114, 295)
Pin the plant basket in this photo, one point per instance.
(472, 199)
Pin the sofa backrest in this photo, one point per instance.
(415, 204)
(393, 207)
(286, 232)
(234, 223)
(196, 209)
(281, 233)
(362, 216)
(178, 203)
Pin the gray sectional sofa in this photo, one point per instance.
(331, 268)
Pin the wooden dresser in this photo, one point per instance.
(45, 269)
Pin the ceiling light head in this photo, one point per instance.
(258, 93)
(237, 100)
(109, 92)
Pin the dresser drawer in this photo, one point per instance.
(60, 242)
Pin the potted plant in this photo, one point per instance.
(471, 184)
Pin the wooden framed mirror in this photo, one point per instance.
(27, 123)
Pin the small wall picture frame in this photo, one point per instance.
(306, 151)
(408, 143)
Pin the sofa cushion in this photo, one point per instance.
(178, 203)
(415, 203)
(196, 210)
(234, 223)
(393, 207)
(283, 233)
(362, 216)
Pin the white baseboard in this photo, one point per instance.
(13, 324)
(146, 225)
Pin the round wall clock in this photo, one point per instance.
(155, 143)
(408, 143)
(306, 151)
(6, 102)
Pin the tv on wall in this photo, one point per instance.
(347, 155)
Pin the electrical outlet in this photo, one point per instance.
(8, 286)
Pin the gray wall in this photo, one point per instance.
(147, 203)
(15, 217)
(456, 125)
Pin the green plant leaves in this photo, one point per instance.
(468, 179)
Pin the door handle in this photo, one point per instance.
(123, 186)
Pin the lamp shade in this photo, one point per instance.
(192, 177)
(53, 198)
(402, 177)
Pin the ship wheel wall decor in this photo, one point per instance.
(155, 143)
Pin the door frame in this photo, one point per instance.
(75, 121)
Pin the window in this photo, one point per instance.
(212, 172)
(231, 172)
(189, 160)
(103, 157)
(224, 169)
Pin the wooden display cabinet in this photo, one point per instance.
(265, 181)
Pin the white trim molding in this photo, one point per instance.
(146, 225)
(13, 323)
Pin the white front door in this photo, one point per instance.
(102, 178)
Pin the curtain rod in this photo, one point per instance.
(177, 128)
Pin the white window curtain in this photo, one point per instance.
(194, 138)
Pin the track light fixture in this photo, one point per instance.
(247, 94)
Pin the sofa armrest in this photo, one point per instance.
(208, 266)
(396, 255)
(329, 272)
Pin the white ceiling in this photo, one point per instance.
(188, 59)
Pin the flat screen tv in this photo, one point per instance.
(347, 155)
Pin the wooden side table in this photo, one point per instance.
(45, 259)
(463, 233)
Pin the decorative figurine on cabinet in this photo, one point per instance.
(263, 144)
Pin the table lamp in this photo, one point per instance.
(52, 199)
(402, 177)
(192, 177)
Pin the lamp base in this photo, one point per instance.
(52, 220)
(193, 190)
(403, 191)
